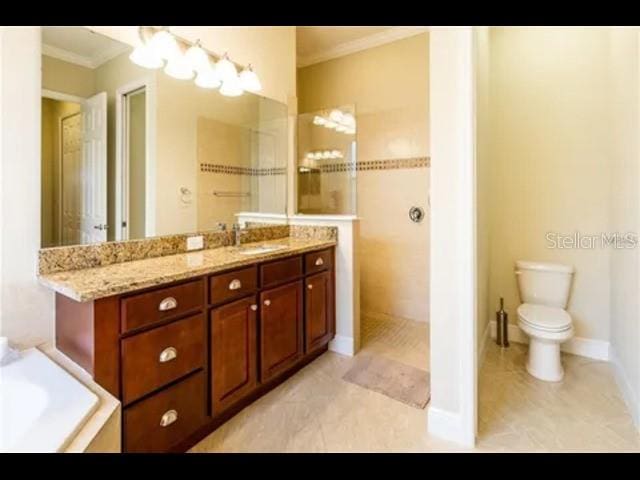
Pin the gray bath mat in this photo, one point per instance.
(396, 380)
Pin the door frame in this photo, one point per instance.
(62, 97)
(121, 200)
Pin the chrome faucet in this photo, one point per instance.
(235, 230)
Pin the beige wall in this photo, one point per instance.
(389, 86)
(625, 211)
(549, 147)
(219, 142)
(485, 304)
(69, 78)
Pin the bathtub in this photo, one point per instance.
(42, 407)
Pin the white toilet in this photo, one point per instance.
(544, 291)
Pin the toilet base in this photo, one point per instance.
(543, 361)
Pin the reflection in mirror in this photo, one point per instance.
(326, 161)
(130, 153)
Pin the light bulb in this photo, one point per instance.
(249, 80)
(179, 67)
(317, 120)
(336, 154)
(349, 120)
(330, 124)
(350, 131)
(208, 78)
(336, 116)
(145, 57)
(231, 87)
(226, 69)
(326, 154)
(164, 44)
(197, 58)
(341, 128)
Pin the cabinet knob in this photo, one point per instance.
(168, 303)
(267, 302)
(235, 284)
(310, 287)
(168, 354)
(169, 417)
(319, 262)
(254, 307)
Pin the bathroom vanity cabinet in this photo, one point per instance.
(183, 358)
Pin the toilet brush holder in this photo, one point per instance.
(502, 326)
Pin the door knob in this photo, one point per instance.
(254, 307)
(267, 302)
(310, 287)
(168, 418)
(168, 354)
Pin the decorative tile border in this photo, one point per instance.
(77, 257)
(233, 170)
(389, 164)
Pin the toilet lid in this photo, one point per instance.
(550, 319)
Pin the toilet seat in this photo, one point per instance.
(543, 318)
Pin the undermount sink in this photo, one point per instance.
(260, 249)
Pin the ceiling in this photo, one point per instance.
(318, 44)
(80, 45)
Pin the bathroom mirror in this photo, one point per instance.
(129, 152)
(326, 161)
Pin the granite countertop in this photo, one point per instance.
(93, 283)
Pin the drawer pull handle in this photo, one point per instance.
(319, 262)
(310, 287)
(168, 303)
(168, 354)
(235, 284)
(254, 307)
(267, 302)
(169, 417)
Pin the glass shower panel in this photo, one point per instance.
(326, 163)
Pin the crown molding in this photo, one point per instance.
(87, 62)
(364, 43)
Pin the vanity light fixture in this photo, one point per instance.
(324, 155)
(208, 78)
(198, 58)
(179, 67)
(337, 120)
(164, 44)
(226, 69)
(249, 80)
(231, 87)
(183, 60)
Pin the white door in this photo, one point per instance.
(94, 169)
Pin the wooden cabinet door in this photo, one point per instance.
(318, 311)
(280, 329)
(233, 352)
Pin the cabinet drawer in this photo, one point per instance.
(159, 356)
(280, 271)
(165, 419)
(150, 307)
(232, 285)
(318, 261)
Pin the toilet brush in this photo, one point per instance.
(502, 326)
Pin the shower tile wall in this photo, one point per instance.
(387, 86)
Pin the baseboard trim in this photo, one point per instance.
(584, 347)
(342, 345)
(483, 344)
(448, 426)
(630, 397)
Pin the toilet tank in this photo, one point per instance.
(542, 283)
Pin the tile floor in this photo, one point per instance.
(317, 411)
